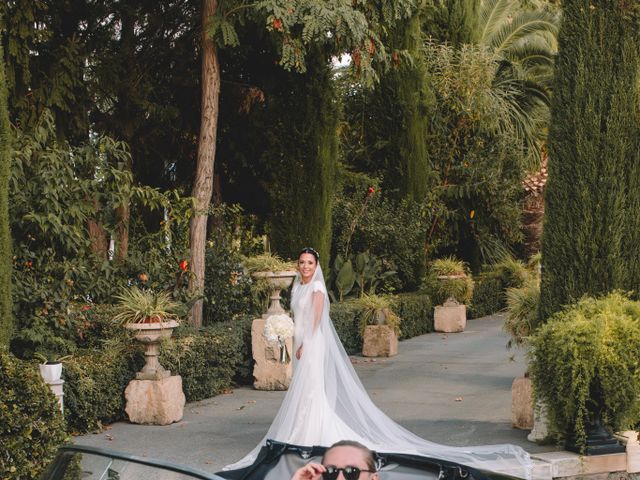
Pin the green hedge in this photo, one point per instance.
(94, 385)
(31, 425)
(488, 296)
(210, 359)
(415, 310)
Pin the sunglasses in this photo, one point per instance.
(350, 473)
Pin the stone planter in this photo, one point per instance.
(151, 335)
(51, 371)
(450, 317)
(268, 371)
(522, 403)
(278, 282)
(379, 341)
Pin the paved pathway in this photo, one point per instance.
(449, 388)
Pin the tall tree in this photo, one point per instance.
(300, 27)
(591, 227)
(6, 311)
(203, 183)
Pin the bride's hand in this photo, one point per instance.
(311, 471)
(299, 352)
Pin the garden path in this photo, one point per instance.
(449, 388)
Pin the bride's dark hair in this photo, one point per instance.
(312, 251)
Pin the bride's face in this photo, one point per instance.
(307, 266)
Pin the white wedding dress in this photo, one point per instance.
(326, 402)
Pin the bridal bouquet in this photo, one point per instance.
(279, 328)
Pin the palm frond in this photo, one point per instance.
(493, 13)
(519, 28)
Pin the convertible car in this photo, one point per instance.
(276, 461)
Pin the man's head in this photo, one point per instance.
(345, 459)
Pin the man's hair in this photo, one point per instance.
(369, 456)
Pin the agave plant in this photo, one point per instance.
(145, 306)
(377, 310)
(267, 262)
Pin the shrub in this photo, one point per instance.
(522, 312)
(31, 425)
(95, 383)
(414, 309)
(229, 291)
(449, 278)
(208, 360)
(489, 295)
(584, 362)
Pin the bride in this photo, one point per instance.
(326, 402)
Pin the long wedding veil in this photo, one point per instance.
(325, 371)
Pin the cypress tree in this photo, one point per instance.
(301, 195)
(591, 227)
(395, 116)
(6, 311)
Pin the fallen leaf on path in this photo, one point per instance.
(240, 407)
(458, 399)
(227, 391)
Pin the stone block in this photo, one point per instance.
(155, 402)
(629, 438)
(450, 318)
(379, 341)
(268, 372)
(522, 403)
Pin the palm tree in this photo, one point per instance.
(523, 43)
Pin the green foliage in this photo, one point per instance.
(267, 262)
(591, 224)
(136, 305)
(31, 425)
(301, 210)
(210, 359)
(56, 190)
(301, 26)
(489, 293)
(585, 361)
(229, 291)
(523, 318)
(449, 278)
(391, 231)
(6, 307)
(95, 381)
(415, 309)
(386, 129)
(479, 166)
(377, 310)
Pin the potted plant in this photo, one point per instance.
(51, 367)
(380, 326)
(584, 366)
(278, 273)
(451, 285)
(152, 316)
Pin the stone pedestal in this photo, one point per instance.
(155, 402)
(269, 373)
(522, 403)
(379, 341)
(630, 439)
(450, 317)
(540, 430)
(58, 391)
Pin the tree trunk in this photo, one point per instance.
(203, 184)
(122, 240)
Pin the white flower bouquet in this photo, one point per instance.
(279, 328)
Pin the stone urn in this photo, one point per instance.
(278, 282)
(151, 335)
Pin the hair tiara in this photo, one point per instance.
(312, 251)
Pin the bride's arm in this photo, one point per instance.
(318, 306)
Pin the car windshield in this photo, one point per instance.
(88, 463)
